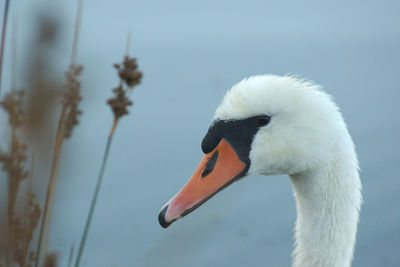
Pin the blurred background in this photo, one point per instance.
(190, 54)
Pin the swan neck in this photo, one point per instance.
(327, 201)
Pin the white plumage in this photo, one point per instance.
(307, 138)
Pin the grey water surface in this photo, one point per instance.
(191, 52)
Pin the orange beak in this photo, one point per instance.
(216, 170)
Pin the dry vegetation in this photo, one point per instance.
(26, 220)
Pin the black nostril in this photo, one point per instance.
(210, 165)
(161, 218)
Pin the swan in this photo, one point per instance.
(269, 125)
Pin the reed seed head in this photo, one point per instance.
(120, 102)
(34, 212)
(128, 72)
(130, 76)
(13, 105)
(71, 98)
(13, 160)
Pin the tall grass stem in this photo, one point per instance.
(77, 28)
(60, 136)
(14, 49)
(50, 186)
(96, 193)
(3, 38)
(28, 192)
(71, 256)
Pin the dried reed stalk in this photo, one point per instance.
(42, 96)
(71, 256)
(30, 205)
(3, 38)
(13, 160)
(129, 76)
(67, 120)
(23, 232)
(20, 232)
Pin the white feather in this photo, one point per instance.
(308, 139)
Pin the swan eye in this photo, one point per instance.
(262, 120)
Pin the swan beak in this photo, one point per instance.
(216, 170)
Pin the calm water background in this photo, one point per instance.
(191, 53)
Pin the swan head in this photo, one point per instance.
(265, 124)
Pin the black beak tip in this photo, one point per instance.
(161, 218)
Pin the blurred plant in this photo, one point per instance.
(43, 84)
(39, 105)
(50, 260)
(23, 233)
(30, 115)
(13, 160)
(68, 119)
(20, 227)
(19, 231)
(130, 76)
